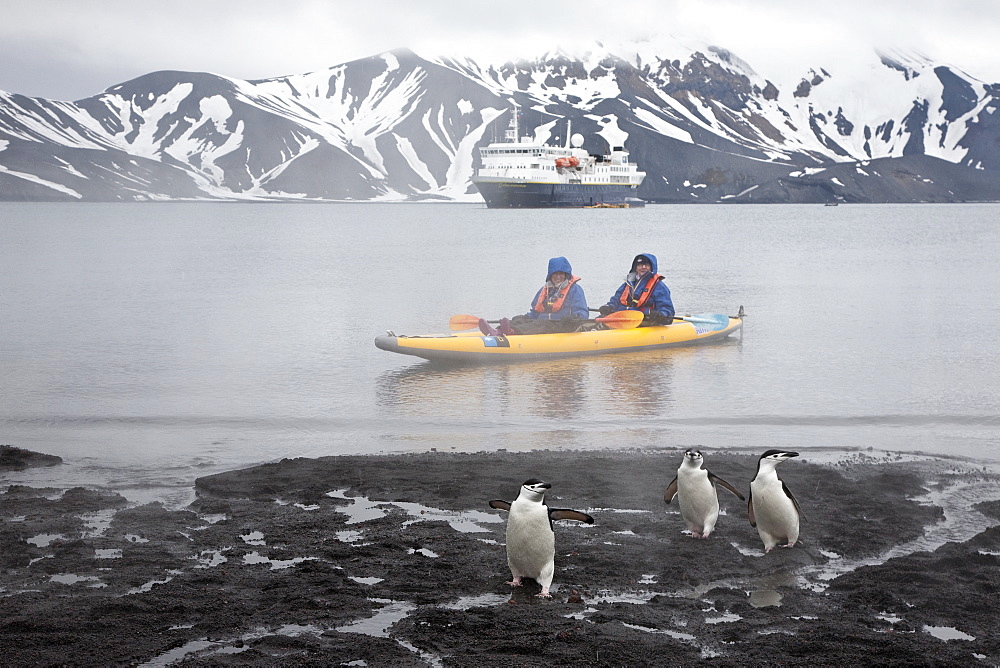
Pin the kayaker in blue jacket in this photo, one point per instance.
(558, 306)
(645, 291)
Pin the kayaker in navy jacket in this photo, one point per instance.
(558, 306)
(645, 291)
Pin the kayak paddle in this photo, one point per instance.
(618, 320)
(716, 320)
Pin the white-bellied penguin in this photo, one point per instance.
(698, 498)
(531, 542)
(772, 508)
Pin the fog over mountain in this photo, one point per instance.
(398, 126)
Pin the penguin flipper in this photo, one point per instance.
(668, 495)
(716, 479)
(567, 514)
(753, 518)
(795, 503)
(500, 504)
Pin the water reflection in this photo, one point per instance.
(601, 387)
(642, 382)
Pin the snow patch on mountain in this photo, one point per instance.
(659, 124)
(612, 132)
(58, 187)
(215, 108)
(412, 157)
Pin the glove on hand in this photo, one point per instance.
(655, 318)
(607, 309)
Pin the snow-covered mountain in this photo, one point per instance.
(702, 124)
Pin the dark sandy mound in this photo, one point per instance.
(17, 459)
(398, 560)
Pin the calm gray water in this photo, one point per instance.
(148, 344)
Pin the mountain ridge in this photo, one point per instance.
(397, 126)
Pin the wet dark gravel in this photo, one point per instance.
(266, 568)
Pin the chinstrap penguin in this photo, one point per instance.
(699, 499)
(531, 542)
(772, 508)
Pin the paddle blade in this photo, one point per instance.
(714, 322)
(621, 319)
(460, 322)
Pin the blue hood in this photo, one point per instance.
(559, 264)
(652, 260)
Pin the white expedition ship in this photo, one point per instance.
(522, 173)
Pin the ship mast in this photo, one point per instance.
(569, 131)
(512, 128)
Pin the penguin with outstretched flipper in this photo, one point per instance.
(531, 541)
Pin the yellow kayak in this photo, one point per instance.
(474, 347)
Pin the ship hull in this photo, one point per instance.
(527, 195)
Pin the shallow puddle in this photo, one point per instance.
(961, 522)
(254, 558)
(110, 553)
(378, 625)
(424, 551)
(360, 510)
(210, 558)
(363, 509)
(947, 633)
(235, 646)
(142, 589)
(724, 618)
(348, 536)
(71, 579)
(481, 601)
(254, 538)
(767, 598)
(673, 634)
(44, 539)
(98, 522)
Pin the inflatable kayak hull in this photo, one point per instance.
(473, 347)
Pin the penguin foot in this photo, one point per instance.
(695, 534)
(516, 582)
(544, 593)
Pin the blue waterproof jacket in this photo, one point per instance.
(659, 301)
(575, 305)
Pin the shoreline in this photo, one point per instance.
(397, 559)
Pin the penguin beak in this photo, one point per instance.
(790, 454)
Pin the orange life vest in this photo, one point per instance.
(550, 304)
(629, 301)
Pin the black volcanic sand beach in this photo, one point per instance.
(397, 560)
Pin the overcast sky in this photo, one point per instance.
(70, 49)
